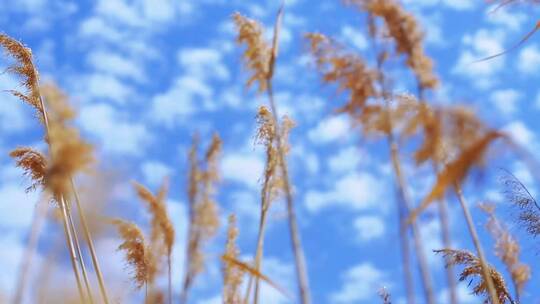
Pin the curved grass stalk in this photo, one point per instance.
(79, 254)
(63, 209)
(477, 245)
(90, 243)
(406, 205)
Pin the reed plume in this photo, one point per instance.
(273, 181)
(265, 73)
(24, 68)
(33, 164)
(473, 269)
(137, 252)
(520, 197)
(404, 30)
(162, 228)
(257, 53)
(367, 86)
(507, 249)
(232, 275)
(203, 210)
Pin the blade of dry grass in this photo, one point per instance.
(247, 268)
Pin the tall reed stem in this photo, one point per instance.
(291, 214)
(71, 248)
(169, 277)
(260, 243)
(40, 213)
(63, 209)
(300, 263)
(90, 243)
(80, 255)
(477, 245)
(406, 205)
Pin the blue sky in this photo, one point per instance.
(145, 75)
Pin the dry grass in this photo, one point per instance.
(452, 139)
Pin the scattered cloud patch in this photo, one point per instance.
(357, 191)
(116, 134)
(360, 284)
(369, 227)
(331, 129)
(505, 101)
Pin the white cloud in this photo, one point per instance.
(97, 27)
(281, 273)
(17, 206)
(464, 295)
(347, 159)
(154, 172)
(13, 115)
(458, 5)
(505, 101)
(360, 283)
(203, 63)
(116, 134)
(477, 46)
(103, 86)
(114, 64)
(529, 60)
(508, 19)
(185, 97)
(358, 191)
(242, 168)
(354, 37)
(330, 129)
(369, 227)
(520, 133)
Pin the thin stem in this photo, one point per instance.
(63, 207)
(90, 244)
(293, 225)
(72, 253)
(79, 254)
(169, 272)
(477, 245)
(265, 206)
(405, 256)
(37, 223)
(405, 201)
(259, 252)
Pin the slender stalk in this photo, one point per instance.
(405, 255)
(79, 253)
(259, 252)
(265, 206)
(169, 273)
(293, 225)
(37, 223)
(406, 205)
(477, 245)
(63, 208)
(90, 244)
(72, 253)
(404, 198)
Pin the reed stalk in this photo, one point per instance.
(79, 254)
(90, 244)
(476, 241)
